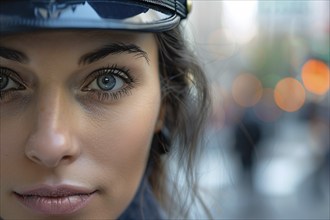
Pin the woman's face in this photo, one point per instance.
(78, 112)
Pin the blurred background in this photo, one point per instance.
(268, 137)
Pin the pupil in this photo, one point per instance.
(107, 82)
(3, 82)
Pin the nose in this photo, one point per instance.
(52, 141)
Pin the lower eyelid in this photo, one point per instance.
(12, 96)
(111, 96)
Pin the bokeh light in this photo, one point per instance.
(246, 90)
(315, 76)
(289, 94)
(241, 17)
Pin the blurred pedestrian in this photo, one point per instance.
(247, 136)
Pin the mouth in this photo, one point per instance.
(59, 200)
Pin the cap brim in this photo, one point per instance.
(17, 16)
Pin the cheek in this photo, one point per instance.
(122, 143)
(119, 145)
(12, 137)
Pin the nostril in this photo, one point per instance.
(67, 157)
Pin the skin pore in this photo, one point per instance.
(79, 108)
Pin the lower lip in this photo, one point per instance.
(55, 206)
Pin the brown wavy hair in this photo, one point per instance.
(186, 100)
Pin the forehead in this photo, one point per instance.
(80, 40)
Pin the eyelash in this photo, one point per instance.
(122, 72)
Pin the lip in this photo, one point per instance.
(55, 200)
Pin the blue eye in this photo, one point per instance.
(108, 80)
(109, 84)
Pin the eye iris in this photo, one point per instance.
(106, 82)
(3, 82)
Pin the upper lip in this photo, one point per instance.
(55, 191)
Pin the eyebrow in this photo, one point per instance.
(114, 48)
(14, 55)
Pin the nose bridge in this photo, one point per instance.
(52, 140)
(51, 110)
